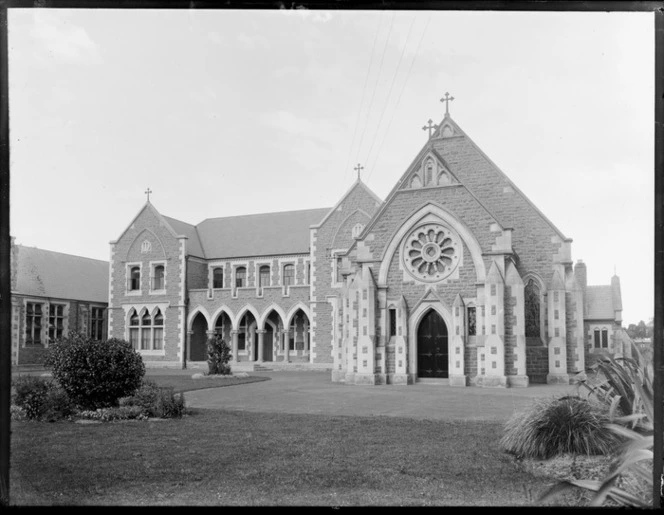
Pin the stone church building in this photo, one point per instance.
(455, 277)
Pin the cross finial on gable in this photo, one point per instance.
(430, 127)
(147, 192)
(447, 99)
(358, 169)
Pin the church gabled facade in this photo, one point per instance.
(455, 276)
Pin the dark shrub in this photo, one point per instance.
(219, 354)
(30, 394)
(41, 398)
(156, 401)
(558, 426)
(95, 374)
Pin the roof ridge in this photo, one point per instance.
(268, 213)
(61, 253)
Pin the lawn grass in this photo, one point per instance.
(242, 458)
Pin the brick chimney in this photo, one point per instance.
(581, 275)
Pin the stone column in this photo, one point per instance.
(261, 335)
(401, 370)
(494, 346)
(557, 339)
(366, 356)
(456, 348)
(189, 335)
(284, 334)
(517, 377)
(234, 333)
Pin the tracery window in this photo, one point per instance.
(146, 332)
(532, 309)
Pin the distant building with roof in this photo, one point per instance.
(456, 276)
(54, 294)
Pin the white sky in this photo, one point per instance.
(224, 113)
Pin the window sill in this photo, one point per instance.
(134, 293)
(157, 292)
(145, 352)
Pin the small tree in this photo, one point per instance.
(95, 374)
(219, 354)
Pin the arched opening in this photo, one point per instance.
(223, 326)
(271, 338)
(297, 338)
(432, 346)
(247, 341)
(198, 339)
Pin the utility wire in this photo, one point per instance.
(389, 94)
(374, 90)
(364, 88)
(398, 100)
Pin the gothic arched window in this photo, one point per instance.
(532, 309)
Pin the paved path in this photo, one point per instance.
(314, 392)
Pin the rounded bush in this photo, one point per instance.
(156, 401)
(95, 374)
(554, 427)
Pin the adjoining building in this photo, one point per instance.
(54, 294)
(456, 275)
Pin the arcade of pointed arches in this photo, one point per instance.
(275, 335)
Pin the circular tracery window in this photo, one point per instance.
(431, 252)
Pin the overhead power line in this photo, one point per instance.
(359, 148)
(398, 99)
(364, 88)
(389, 93)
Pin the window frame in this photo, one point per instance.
(154, 265)
(30, 319)
(290, 266)
(54, 318)
(96, 321)
(214, 284)
(142, 335)
(129, 279)
(235, 276)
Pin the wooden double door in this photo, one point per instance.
(432, 347)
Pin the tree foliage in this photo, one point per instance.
(219, 355)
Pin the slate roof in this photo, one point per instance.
(46, 273)
(599, 303)
(194, 247)
(263, 234)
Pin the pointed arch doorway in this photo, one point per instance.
(432, 347)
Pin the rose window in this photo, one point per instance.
(431, 252)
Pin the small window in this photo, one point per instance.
(472, 321)
(307, 278)
(146, 331)
(56, 322)
(133, 330)
(289, 275)
(339, 276)
(97, 323)
(158, 336)
(605, 339)
(135, 278)
(264, 276)
(158, 279)
(598, 343)
(393, 322)
(218, 278)
(33, 323)
(240, 277)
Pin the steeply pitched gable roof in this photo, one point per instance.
(263, 234)
(599, 303)
(46, 273)
(180, 228)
